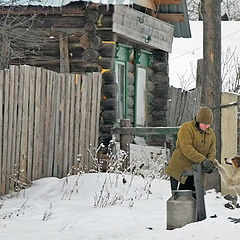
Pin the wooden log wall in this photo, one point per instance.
(158, 95)
(47, 120)
(54, 34)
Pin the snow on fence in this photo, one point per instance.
(46, 120)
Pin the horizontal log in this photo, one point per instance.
(106, 63)
(171, 17)
(145, 130)
(40, 10)
(50, 22)
(109, 77)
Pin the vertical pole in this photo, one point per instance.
(64, 54)
(201, 211)
(212, 84)
(125, 142)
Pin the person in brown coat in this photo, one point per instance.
(196, 143)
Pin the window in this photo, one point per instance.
(141, 96)
(120, 70)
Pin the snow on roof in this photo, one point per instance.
(57, 3)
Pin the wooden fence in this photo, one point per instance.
(46, 120)
(182, 106)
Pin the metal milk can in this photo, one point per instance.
(181, 209)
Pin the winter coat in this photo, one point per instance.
(193, 146)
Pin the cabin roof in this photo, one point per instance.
(172, 11)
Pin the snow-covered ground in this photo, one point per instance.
(186, 52)
(63, 209)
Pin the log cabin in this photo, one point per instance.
(128, 43)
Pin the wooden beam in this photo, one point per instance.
(145, 130)
(64, 54)
(146, 3)
(169, 2)
(171, 17)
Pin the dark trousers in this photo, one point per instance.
(188, 185)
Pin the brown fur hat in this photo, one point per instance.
(204, 115)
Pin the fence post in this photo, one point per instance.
(201, 211)
(125, 142)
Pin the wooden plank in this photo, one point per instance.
(71, 124)
(94, 109)
(42, 122)
(171, 17)
(52, 122)
(93, 117)
(145, 130)
(82, 134)
(1, 126)
(56, 162)
(37, 122)
(24, 129)
(99, 97)
(5, 133)
(78, 83)
(141, 25)
(88, 119)
(66, 124)
(64, 54)
(5, 130)
(169, 2)
(178, 106)
(201, 210)
(47, 105)
(32, 81)
(15, 110)
(47, 124)
(19, 117)
(10, 160)
(61, 126)
(160, 43)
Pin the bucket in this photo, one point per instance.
(181, 209)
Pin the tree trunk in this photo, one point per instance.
(212, 84)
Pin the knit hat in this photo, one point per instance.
(204, 115)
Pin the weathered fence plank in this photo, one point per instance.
(71, 123)
(61, 127)
(83, 120)
(1, 121)
(37, 121)
(66, 124)
(57, 126)
(14, 136)
(88, 118)
(5, 166)
(93, 116)
(10, 129)
(99, 87)
(52, 117)
(78, 83)
(31, 122)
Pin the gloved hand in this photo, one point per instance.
(207, 166)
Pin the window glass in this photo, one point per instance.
(140, 97)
